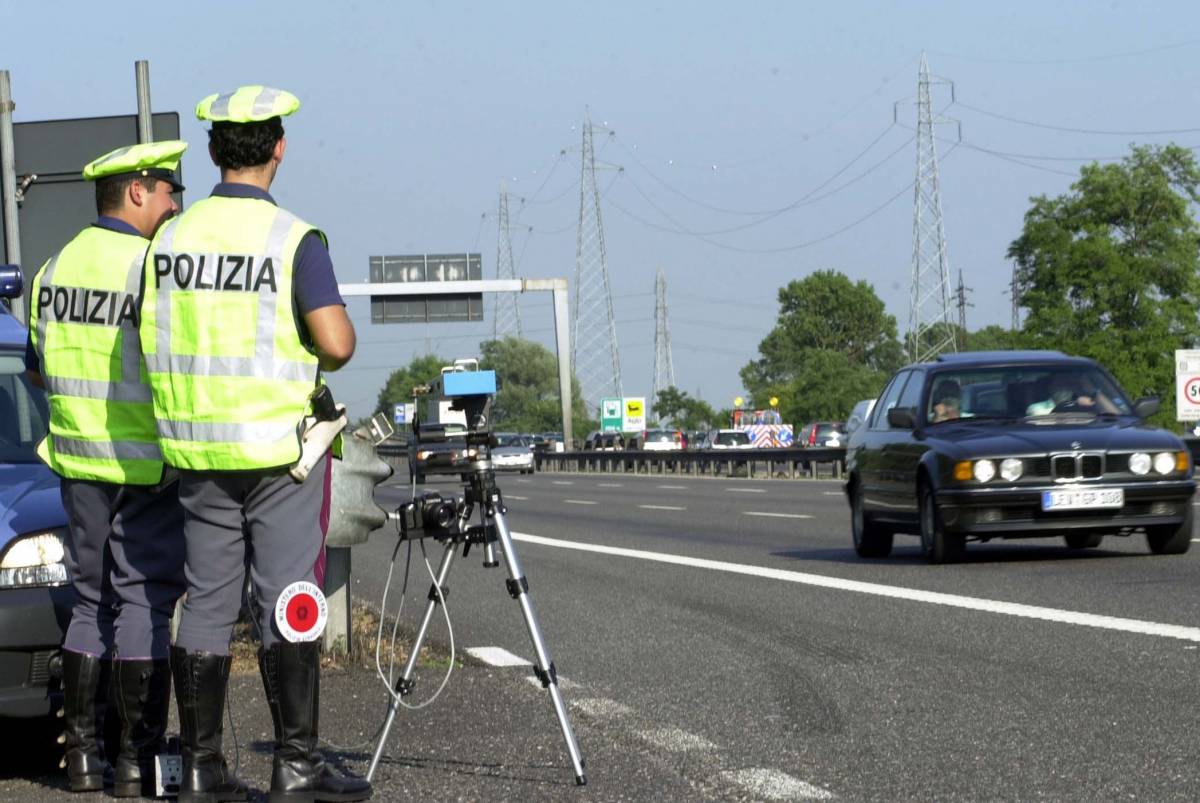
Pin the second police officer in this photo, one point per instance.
(125, 534)
(241, 313)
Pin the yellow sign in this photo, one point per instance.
(774, 402)
(633, 408)
(738, 401)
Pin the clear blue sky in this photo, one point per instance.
(414, 112)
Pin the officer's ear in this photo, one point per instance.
(135, 193)
(212, 154)
(280, 147)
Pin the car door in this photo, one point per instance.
(902, 453)
(868, 453)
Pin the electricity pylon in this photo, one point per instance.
(506, 314)
(594, 332)
(664, 367)
(929, 319)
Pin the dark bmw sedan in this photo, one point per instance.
(1014, 444)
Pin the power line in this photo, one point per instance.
(1081, 60)
(1071, 130)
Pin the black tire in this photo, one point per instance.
(1083, 540)
(938, 545)
(870, 539)
(1171, 539)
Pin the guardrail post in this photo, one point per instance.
(336, 637)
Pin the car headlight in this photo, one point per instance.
(35, 559)
(984, 470)
(1164, 462)
(1011, 469)
(1139, 463)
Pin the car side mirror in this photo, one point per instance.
(1146, 406)
(12, 281)
(900, 418)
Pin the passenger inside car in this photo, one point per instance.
(946, 401)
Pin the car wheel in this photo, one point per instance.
(1083, 540)
(1171, 539)
(938, 545)
(870, 540)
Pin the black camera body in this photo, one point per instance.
(429, 514)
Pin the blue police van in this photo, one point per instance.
(35, 591)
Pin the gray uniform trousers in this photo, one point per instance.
(125, 555)
(233, 518)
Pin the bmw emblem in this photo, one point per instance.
(1076, 444)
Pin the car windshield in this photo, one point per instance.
(828, 430)
(1024, 392)
(24, 413)
(510, 440)
(732, 439)
(660, 436)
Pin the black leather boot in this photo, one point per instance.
(200, 681)
(141, 695)
(81, 682)
(291, 677)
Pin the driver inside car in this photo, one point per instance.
(1070, 393)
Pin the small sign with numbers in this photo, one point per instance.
(1187, 384)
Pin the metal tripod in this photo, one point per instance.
(481, 492)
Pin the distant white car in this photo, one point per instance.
(726, 439)
(512, 453)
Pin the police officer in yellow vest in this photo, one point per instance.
(125, 546)
(241, 314)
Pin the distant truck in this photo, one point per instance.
(765, 428)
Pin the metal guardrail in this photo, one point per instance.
(793, 463)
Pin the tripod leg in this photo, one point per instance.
(404, 684)
(518, 588)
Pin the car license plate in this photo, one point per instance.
(1083, 498)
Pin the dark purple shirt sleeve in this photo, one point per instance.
(315, 285)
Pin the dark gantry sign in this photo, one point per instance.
(436, 308)
(59, 203)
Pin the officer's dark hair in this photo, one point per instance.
(239, 145)
(110, 192)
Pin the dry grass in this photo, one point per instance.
(364, 627)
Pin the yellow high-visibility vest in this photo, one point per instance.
(229, 374)
(83, 322)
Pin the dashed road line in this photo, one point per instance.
(562, 482)
(747, 490)
(497, 656)
(768, 784)
(518, 498)
(776, 515)
(599, 707)
(609, 485)
(579, 501)
(661, 507)
(832, 493)
(981, 604)
(673, 487)
(675, 740)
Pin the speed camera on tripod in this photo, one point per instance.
(462, 394)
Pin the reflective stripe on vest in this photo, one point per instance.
(229, 374)
(101, 421)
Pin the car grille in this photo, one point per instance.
(1077, 466)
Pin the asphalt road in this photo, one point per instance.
(727, 628)
(717, 639)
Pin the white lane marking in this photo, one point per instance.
(599, 707)
(1196, 540)
(661, 507)
(894, 592)
(775, 785)
(579, 502)
(518, 498)
(675, 740)
(776, 515)
(747, 490)
(823, 493)
(497, 656)
(673, 487)
(609, 485)
(562, 482)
